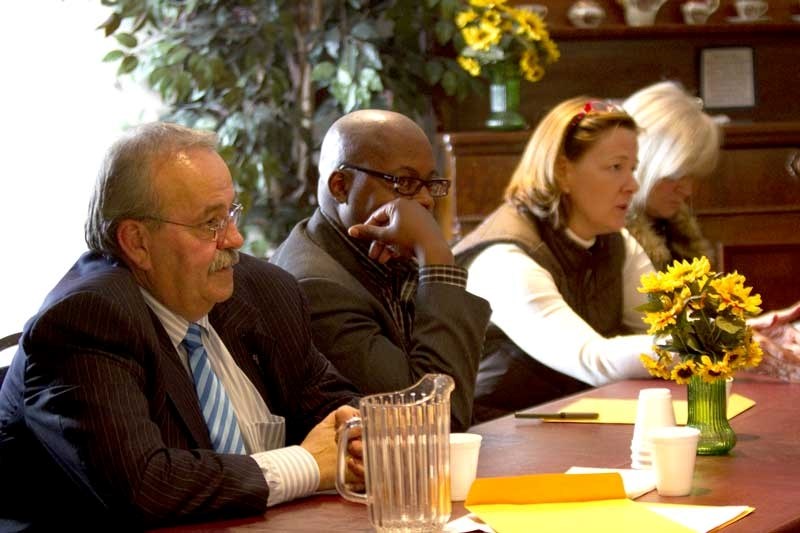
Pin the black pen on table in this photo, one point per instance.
(563, 415)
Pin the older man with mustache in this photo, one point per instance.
(165, 375)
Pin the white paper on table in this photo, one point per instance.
(700, 518)
(467, 523)
(636, 482)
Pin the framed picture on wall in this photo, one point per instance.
(727, 77)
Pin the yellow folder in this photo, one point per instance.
(563, 502)
(617, 411)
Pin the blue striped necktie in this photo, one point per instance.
(214, 402)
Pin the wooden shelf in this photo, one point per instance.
(762, 134)
(621, 31)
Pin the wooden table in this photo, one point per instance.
(762, 471)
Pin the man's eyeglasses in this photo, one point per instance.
(592, 106)
(216, 229)
(406, 185)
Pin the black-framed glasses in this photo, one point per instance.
(406, 185)
(592, 106)
(216, 230)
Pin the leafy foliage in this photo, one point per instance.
(270, 76)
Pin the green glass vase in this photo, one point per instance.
(504, 102)
(708, 412)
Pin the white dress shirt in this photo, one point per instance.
(291, 472)
(528, 307)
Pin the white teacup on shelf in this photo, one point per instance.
(698, 11)
(538, 9)
(586, 14)
(750, 9)
(641, 12)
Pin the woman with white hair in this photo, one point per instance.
(678, 143)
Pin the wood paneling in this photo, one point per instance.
(774, 267)
(483, 162)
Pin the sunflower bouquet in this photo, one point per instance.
(698, 317)
(501, 41)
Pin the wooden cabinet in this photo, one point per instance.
(614, 60)
(480, 164)
(750, 207)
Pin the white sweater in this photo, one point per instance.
(528, 307)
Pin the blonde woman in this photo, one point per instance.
(557, 266)
(678, 144)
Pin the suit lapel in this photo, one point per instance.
(170, 375)
(245, 338)
(179, 387)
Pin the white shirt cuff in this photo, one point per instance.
(290, 472)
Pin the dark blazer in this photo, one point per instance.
(99, 419)
(354, 328)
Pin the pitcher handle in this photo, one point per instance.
(341, 463)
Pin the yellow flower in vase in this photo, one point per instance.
(682, 372)
(494, 33)
(470, 65)
(503, 44)
(530, 67)
(699, 315)
(698, 318)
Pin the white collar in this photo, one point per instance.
(175, 325)
(582, 242)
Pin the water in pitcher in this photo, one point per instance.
(406, 437)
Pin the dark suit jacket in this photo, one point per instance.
(353, 327)
(99, 419)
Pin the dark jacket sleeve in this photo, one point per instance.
(447, 338)
(302, 385)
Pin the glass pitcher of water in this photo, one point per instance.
(406, 438)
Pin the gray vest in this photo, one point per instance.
(590, 281)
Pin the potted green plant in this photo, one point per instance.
(270, 76)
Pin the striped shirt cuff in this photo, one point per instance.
(448, 274)
(290, 472)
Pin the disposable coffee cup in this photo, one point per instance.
(674, 453)
(653, 410)
(464, 452)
